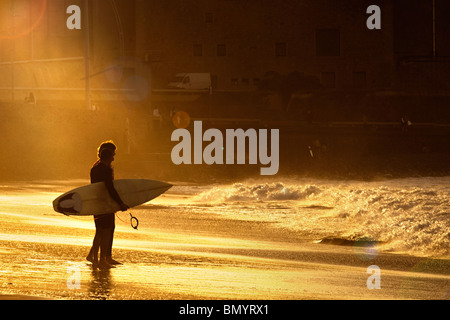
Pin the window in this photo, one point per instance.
(359, 79)
(328, 42)
(280, 49)
(198, 50)
(329, 79)
(221, 50)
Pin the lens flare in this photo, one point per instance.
(114, 73)
(24, 31)
(136, 88)
(181, 119)
(365, 249)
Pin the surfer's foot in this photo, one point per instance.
(92, 259)
(112, 262)
(103, 264)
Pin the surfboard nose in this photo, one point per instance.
(166, 185)
(163, 187)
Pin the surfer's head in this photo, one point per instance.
(106, 145)
(106, 151)
(107, 155)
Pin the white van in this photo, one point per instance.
(192, 81)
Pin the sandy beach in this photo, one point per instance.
(190, 254)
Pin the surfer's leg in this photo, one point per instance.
(100, 241)
(104, 248)
(110, 243)
(93, 253)
(106, 241)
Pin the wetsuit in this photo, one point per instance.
(104, 223)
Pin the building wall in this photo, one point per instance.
(240, 41)
(422, 67)
(39, 54)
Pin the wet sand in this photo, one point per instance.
(185, 255)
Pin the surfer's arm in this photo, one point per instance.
(113, 193)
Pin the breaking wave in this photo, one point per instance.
(258, 192)
(405, 215)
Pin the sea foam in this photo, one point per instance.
(405, 215)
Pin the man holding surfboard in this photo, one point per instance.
(102, 171)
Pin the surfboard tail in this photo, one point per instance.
(69, 203)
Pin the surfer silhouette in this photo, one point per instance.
(102, 171)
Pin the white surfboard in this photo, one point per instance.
(95, 199)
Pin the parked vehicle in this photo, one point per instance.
(192, 81)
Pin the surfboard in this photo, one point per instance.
(94, 198)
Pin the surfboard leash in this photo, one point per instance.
(132, 219)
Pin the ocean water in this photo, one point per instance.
(409, 215)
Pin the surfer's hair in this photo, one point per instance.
(106, 145)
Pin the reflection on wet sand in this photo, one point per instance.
(100, 284)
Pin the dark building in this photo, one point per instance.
(239, 42)
(421, 46)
